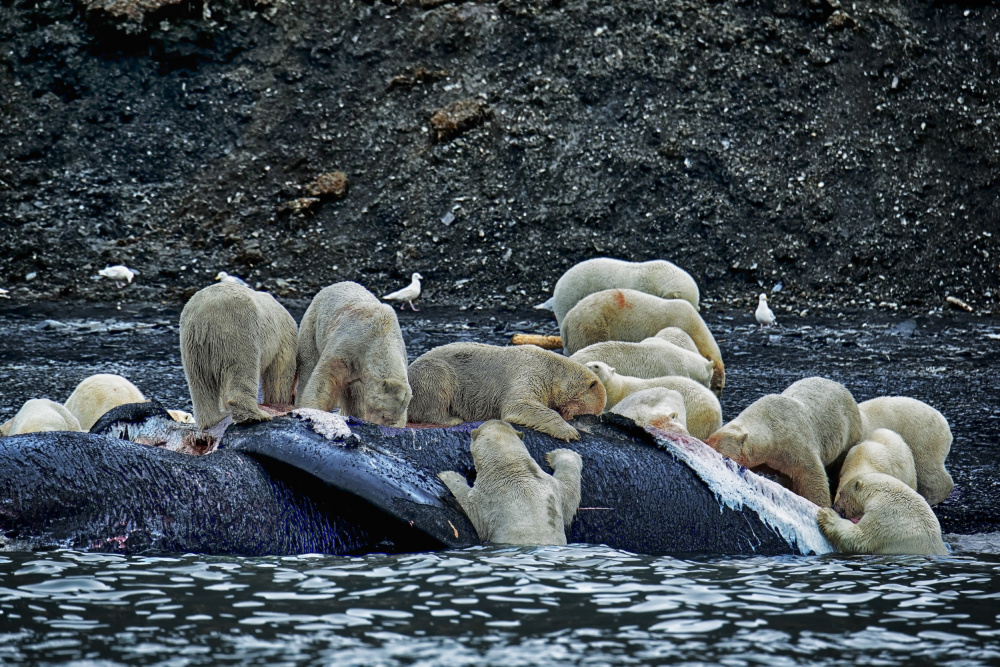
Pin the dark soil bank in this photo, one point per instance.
(851, 154)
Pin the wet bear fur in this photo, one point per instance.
(891, 518)
(513, 501)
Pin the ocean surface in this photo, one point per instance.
(579, 604)
(499, 606)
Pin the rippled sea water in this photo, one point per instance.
(502, 606)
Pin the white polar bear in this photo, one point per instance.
(702, 408)
(41, 414)
(97, 394)
(924, 429)
(657, 277)
(513, 500)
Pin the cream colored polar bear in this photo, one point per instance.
(97, 394)
(513, 501)
(882, 451)
(352, 357)
(657, 277)
(924, 429)
(631, 316)
(524, 385)
(703, 412)
(41, 414)
(655, 407)
(678, 337)
(798, 433)
(233, 339)
(649, 358)
(882, 515)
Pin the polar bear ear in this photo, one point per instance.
(475, 432)
(612, 369)
(519, 434)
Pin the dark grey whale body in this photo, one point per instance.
(283, 487)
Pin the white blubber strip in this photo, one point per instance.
(790, 515)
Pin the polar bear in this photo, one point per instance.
(657, 277)
(631, 316)
(798, 433)
(352, 356)
(649, 358)
(882, 515)
(97, 394)
(882, 451)
(513, 501)
(678, 337)
(233, 339)
(524, 385)
(656, 407)
(41, 414)
(181, 416)
(924, 429)
(703, 412)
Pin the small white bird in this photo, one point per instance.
(118, 273)
(764, 315)
(224, 277)
(408, 294)
(4, 294)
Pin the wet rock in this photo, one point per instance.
(458, 117)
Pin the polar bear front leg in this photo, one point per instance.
(842, 533)
(806, 471)
(540, 418)
(567, 467)
(460, 489)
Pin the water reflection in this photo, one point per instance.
(498, 606)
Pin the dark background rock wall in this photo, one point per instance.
(850, 154)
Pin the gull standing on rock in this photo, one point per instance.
(764, 315)
(224, 277)
(408, 294)
(118, 273)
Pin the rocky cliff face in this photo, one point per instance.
(846, 151)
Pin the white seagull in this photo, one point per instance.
(4, 294)
(224, 277)
(118, 273)
(764, 315)
(408, 294)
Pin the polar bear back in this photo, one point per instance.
(832, 411)
(41, 414)
(99, 393)
(647, 359)
(883, 451)
(924, 429)
(657, 277)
